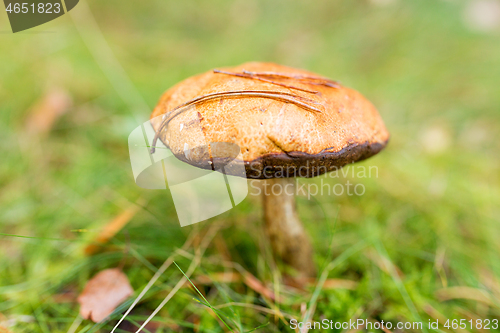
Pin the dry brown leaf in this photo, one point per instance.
(464, 293)
(45, 112)
(113, 227)
(103, 293)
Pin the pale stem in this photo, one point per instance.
(286, 233)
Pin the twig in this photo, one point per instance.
(277, 95)
(255, 77)
(311, 79)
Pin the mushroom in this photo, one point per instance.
(287, 123)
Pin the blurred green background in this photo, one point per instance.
(421, 244)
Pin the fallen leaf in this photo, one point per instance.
(469, 293)
(103, 293)
(113, 227)
(45, 112)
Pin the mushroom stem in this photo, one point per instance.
(286, 233)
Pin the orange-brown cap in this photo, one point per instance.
(286, 122)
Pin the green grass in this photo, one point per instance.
(431, 214)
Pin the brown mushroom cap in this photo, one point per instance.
(313, 128)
